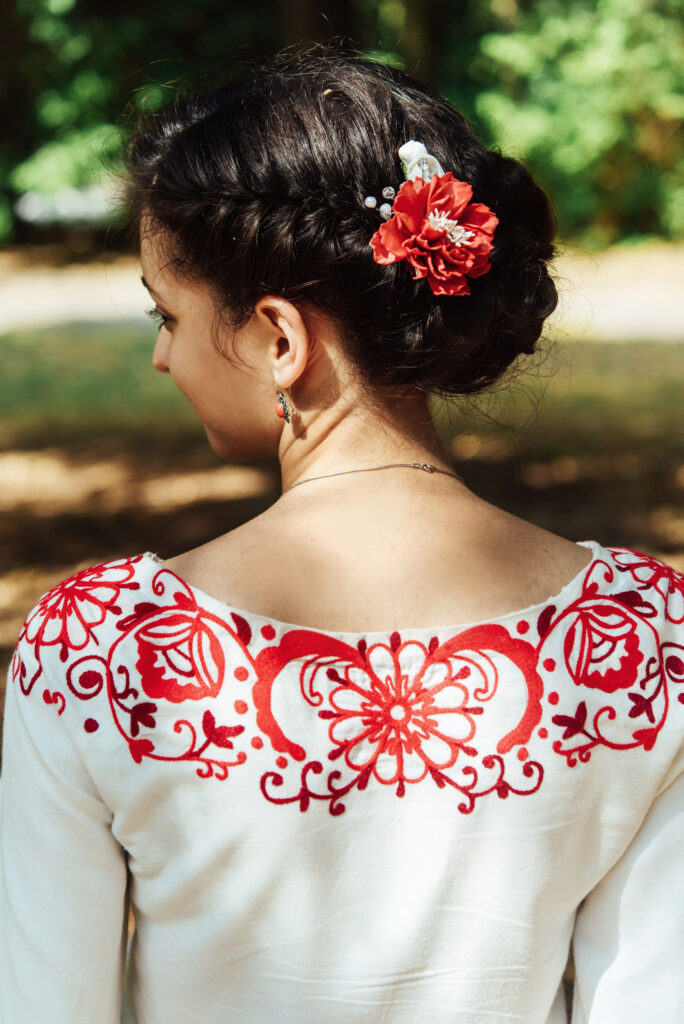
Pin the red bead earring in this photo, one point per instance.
(283, 410)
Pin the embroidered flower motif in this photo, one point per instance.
(396, 712)
(602, 647)
(398, 723)
(400, 712)
(180, 655)
(651, 573)
(69, 613)
(439, 232)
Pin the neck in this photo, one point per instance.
(359, 434)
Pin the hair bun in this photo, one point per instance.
(258, 187)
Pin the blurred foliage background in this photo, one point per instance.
(100, 457)
(589, 94)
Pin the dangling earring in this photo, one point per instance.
(283, 410)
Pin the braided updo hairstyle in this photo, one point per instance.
(258, 187)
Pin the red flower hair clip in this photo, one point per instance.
(433, 225)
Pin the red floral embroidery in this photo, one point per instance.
(673, 664)
(604, 640)
(652, 574)
(602, 646)
(55, 698)
(181, 657)
(69, 613)
(389, 714)
(398, 726)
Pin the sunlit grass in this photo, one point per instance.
(78, 384)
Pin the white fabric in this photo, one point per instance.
(445, 883)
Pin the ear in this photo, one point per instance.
(287, 336)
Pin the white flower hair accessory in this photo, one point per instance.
(417, 161)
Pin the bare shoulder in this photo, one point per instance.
(231, 551)
(237, 565)
(548, 553)
(516, 563)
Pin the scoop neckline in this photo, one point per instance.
(409, 632)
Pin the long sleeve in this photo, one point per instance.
(629, 933)
(63, 898)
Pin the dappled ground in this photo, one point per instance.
(628, 292)
(103, 458)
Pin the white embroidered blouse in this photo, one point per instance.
(337, 828)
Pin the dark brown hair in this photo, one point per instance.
(258, 186)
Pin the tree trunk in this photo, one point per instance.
(318, 20)
(420, 39)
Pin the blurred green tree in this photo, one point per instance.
(589, 94)
(592, 95)
(71, 67)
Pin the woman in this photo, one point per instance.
(323, 803)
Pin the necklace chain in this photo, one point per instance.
(427, 466)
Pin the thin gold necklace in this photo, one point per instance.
(427, 466)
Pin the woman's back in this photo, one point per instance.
(342, 826)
